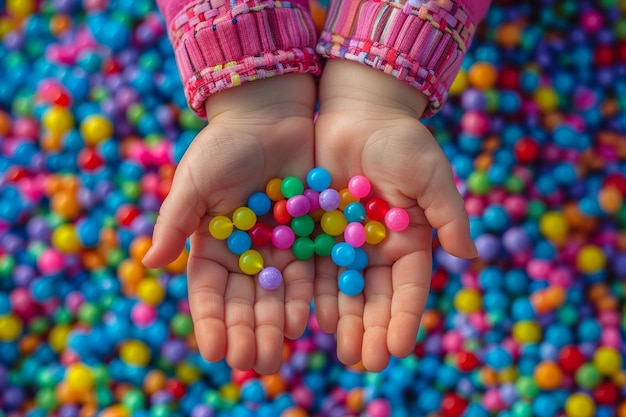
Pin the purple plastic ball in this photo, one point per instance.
(329, 199)
(270, 278)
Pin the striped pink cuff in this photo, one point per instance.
(421, 42)
(219, 44)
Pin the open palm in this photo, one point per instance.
(240, 150)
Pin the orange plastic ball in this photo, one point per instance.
(482, 75)
(548, 375)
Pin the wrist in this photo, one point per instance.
(367, 89)
(289, 95)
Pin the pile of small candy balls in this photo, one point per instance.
(295, 211)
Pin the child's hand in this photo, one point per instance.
(256, 132)
(369, 124)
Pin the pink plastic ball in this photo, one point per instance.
(143, 315)
(283, 237)
(475, 123)
(298, 205)
(50, 262)
(378, 408)
(452, 342)
(313, 197)
(354, 234)
(474, 206)
(492, 400)
(397, 219)
(611, 337)
(73, 301)
(359, 186)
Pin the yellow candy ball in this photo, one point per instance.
(57, 120)
(590, 259)
(134, 352)
(244, 218)
(58, 337)
(607, 361)
(79, 378)
(65, 239)
(375, 232)
(459, 84)
(468, 301)
(526, 332)
(10, 328)
(251, 262)
(20, 8)
(547, 99)
(333, 222)
(220, 227)
(554, 227)
(96, 128)
(579, 405)
(150, 291)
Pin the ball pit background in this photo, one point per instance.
(93, 121)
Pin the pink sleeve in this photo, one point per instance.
(221, 44)
(421, 42)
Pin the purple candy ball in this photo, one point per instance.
(329, 199)
(270, 278)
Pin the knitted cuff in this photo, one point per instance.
(219, 45)
(421, 42)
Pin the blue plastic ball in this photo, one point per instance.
(238, 242)
(318, 179)
(351, 282)
(259, 203)
(343, 254)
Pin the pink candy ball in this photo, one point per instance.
(50, 262)
(359, 186)
(143, 315)
(298, 205)
(283, 237)
(397, 219)
(354, 234)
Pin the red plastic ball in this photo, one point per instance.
(453, 405)
(16, 173)
(281, 215)
(604, 55)
(126, 213)
(239, 377)
(260, 234)
(376, 208)
(176, 388)
(466, 361)
(527, 150)
(570, 359)
(439, 280)
(89, 159)
(616, 180)
(606, 393)
(509, 78)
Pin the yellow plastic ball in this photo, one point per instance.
(20, 8)
(150, 291)
(579, 405)
(607, 361)
(459, 84)
(553, 225)
(7, 25)
(590, 259)
(134, 352)
(548, 375)
(244, 218)
(546, 98)
(96, 128)
(468, 301)
(65, 239)
(230, 393)
(187, 374)
(526, 332)
(10, 328)
(251, 262)
(375, 232)
(345, 198)
(220, 227)
(508, 375)
(57, 120)
(333, 222)
(58, 337)
(79, 378)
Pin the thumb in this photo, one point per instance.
(179, 216)
(445, 211)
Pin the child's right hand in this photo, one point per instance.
(257, 132)
(369, 125)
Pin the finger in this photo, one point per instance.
(179, 216)
(325, 292)
(445, 211)
(298, 278)
(269, 315)
(207, 283)
(350, 328)
(376, 316)
(240, 323)
(411, 281)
